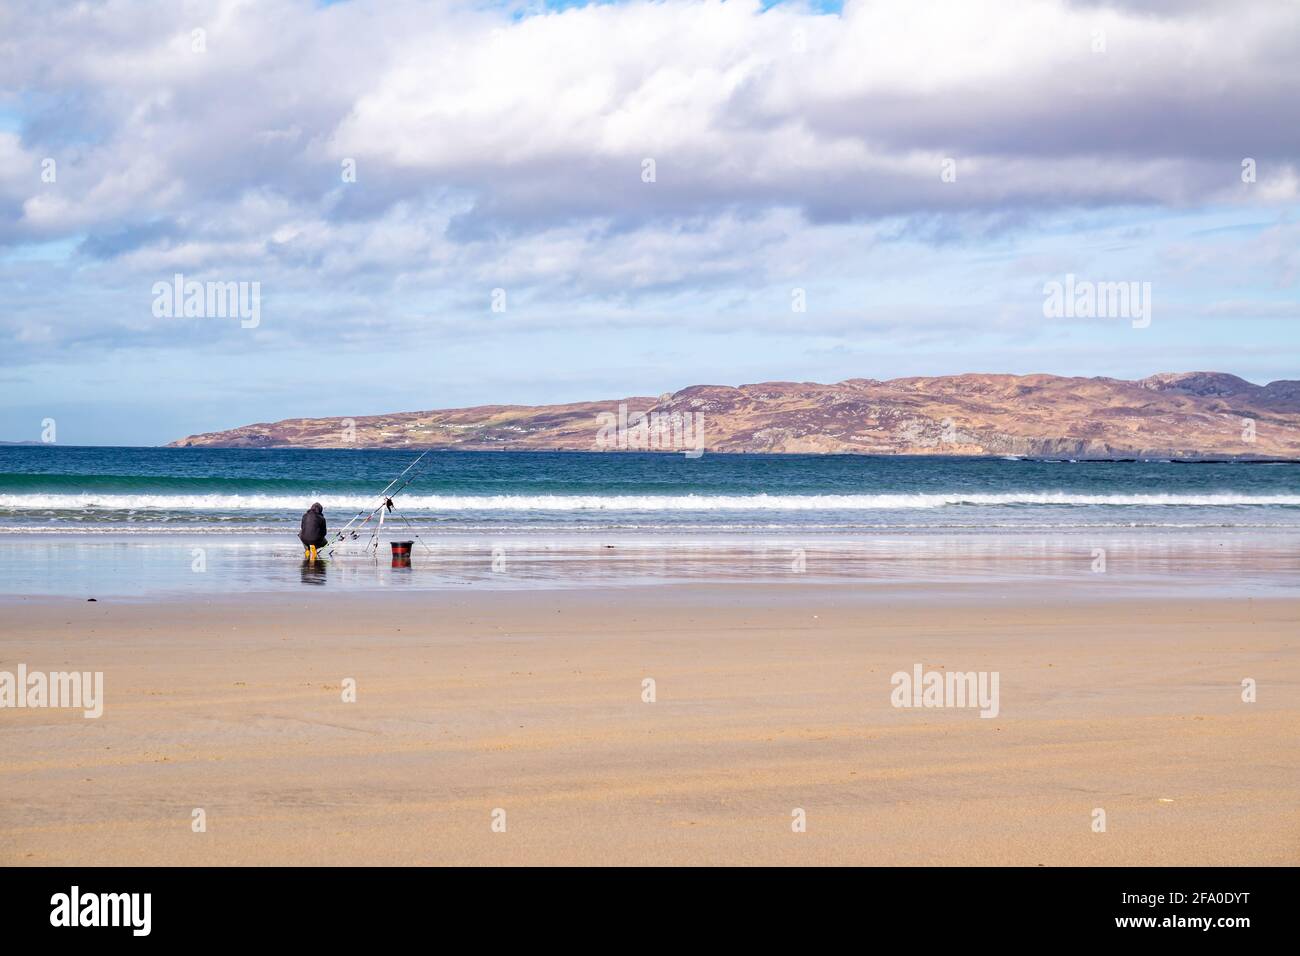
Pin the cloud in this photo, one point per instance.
(792, 148)
(547, 119)
(1039, 103)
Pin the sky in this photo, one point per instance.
(445, 204)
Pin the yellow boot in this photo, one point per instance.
(306, 553)
(313, 553)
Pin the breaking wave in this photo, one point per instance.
(235, 503)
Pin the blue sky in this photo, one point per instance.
(798, 150)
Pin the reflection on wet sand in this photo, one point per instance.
(313, 572)
(1135, 562)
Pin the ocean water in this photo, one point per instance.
(141, 521)
(50, 489)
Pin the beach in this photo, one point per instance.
(771, 708)
(644, 659)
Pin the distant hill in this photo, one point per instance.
(1182, 414)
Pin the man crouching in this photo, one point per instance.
(312, 534)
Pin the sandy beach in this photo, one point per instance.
(767, 701)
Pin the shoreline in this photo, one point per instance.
(1091, 564)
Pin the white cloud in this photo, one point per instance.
(792, 148)
(549, 117)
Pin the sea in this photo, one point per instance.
(142, 521)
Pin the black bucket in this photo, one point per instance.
(402, 554)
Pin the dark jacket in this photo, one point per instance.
(313, 526)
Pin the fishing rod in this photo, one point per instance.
(385, 502)
(385, 496)
(393, 488)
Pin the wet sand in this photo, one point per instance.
(768, 699)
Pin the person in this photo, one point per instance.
(312, 534)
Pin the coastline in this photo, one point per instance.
(1186, 415)
(768, 699)
(200, 562)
